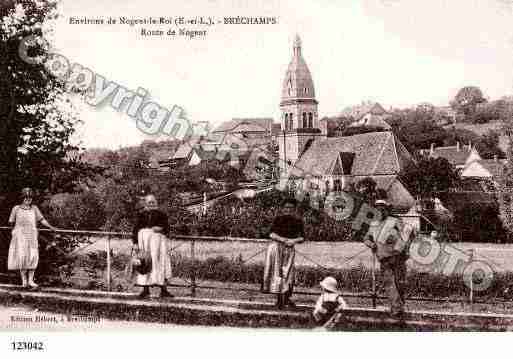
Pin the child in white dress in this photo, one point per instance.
(329, 303)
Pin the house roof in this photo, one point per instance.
(245, 125)
(248, 127)
(445, 109)
(160, 155)
(361, 110)
(216, 137)
(209, 146)
(495, 167)
(456, 155)
(182, 152)
(276, 129)
(376, 153)
(372, 120)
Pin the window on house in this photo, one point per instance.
(305, 124)
(286, 121)
(310, 120)
(306, 90)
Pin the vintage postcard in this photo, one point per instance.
(293, 165)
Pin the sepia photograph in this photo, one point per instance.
(298, 166)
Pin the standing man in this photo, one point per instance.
(150, 235)
(287, 231)
(386, 239)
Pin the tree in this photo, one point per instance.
(488, 145)
(416, 130)
(367, 189)
(429, 176)
(78, 211)
(505, 193)
(467, 99)
(37, 121)
(426, 109)
(37, 118)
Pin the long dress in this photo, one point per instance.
(157, 244)
(279, 268)
(24, 247)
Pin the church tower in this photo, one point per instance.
(299, 117)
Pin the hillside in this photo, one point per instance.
(482, 129)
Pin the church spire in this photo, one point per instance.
(298, 81)
(297, 46)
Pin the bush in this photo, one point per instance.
(253, 219)
(78, 211)
(477, 222)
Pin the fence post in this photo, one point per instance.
(471, 284)
(373, 280)
(193, 271)
(109, 276)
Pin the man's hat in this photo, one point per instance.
(330, 284)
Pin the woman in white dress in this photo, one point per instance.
(150, 235)
(24, 247)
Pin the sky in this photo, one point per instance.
(396, 52)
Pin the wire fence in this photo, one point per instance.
(197, 255)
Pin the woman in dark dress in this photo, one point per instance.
(150, 234)
(287, 231)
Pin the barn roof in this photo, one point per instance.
(361, 110)
(375, 153)
(245, 124)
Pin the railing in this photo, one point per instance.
(98, 235)
(192, 282)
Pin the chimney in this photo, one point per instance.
(458, 146)
(432, 150)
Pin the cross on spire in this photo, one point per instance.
(297, 46)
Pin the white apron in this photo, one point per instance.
(279, 269)
(157, 245)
